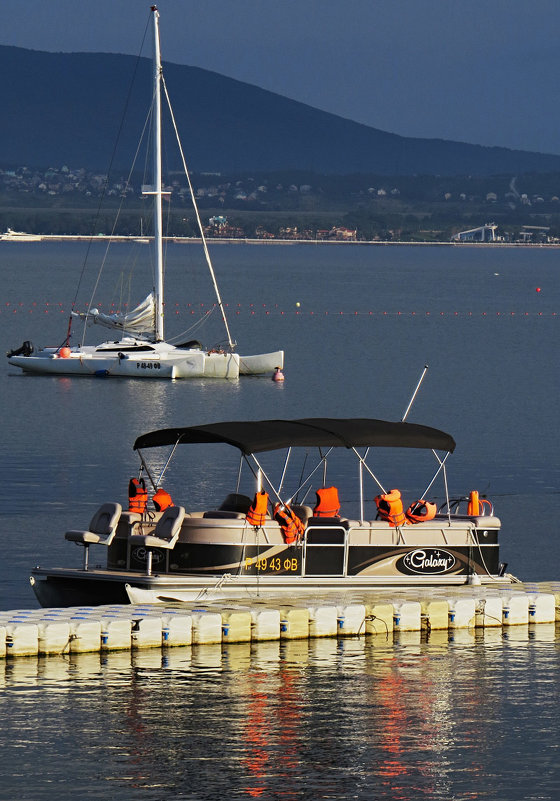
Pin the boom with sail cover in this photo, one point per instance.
(138, 321)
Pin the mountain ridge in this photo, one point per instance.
(66, 108)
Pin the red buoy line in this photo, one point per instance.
(46, 307)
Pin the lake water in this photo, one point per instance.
(471, 717)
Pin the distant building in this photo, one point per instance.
(343, 234)
(218, 221)
(338, 233)
(535, 234)
(485, 233)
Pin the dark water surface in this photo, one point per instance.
(467, 719)
(474, 718)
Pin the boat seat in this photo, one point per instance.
(222, 514)
(302, 511)
(101, 531)
(235, 502)
(129, 520)
(165, 534)
(327, 522)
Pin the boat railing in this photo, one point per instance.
(458, 507)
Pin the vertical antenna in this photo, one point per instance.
(414, 394)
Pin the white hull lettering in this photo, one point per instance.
(429, 560)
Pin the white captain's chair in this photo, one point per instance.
(101, 531)
(166, 534)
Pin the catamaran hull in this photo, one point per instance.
(173, 364)
(195, 364)
(261, 364)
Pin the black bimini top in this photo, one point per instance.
(256, 436)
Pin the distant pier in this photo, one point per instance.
(186, 240)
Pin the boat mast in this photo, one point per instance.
(158, 192)
(158, 233)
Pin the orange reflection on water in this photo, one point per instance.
(392, 695)
(272, 734)
(257, 738)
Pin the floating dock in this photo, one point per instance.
(33, 632)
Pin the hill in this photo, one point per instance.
(66, 108)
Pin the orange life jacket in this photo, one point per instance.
(162, 500)
(292, 527)
(137, 496)
(419, 511)
(257, 511)
(327, 504)
(390, 508)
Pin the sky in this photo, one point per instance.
(479, 71)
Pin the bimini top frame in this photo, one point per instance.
(258, 436)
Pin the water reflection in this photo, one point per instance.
(391, 718)
(468, 716)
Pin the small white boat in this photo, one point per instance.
(19, 236)
(142, 351)
(271, 540)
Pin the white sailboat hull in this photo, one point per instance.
(262, 363)
(174, 363)
(161, 361)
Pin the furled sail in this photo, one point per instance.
(139, 320)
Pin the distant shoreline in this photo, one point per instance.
(248, 241)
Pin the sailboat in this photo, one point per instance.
(142, 351)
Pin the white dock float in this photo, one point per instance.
(542, 608)
(85, 634)
(351, 620)
(515, 610)
(436, 613)
(461, 613)
(379, 618)
(147, 631)
(236, 625)
(407, 616)
(116, 633)
(446, 612)
(22, 638)
(488, 612)
(323, 621)
(265, 624)
(176, 629)
(54, 636)
(294, 623)
(206, 627)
